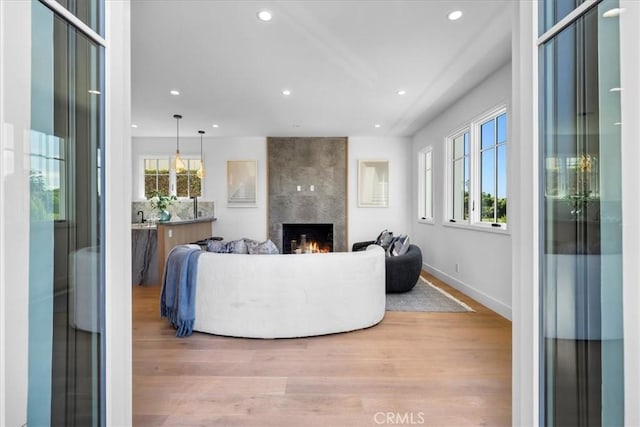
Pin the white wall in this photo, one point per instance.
(483, 257)
(235, 223)
(366, 223)
(232, 223)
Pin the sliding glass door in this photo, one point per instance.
(66, 237)
(582, 380)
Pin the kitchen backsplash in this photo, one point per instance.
(179, 210)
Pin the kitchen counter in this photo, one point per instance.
(174, 233)
(144, 255)
(188, 221)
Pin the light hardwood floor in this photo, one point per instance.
(432, 369)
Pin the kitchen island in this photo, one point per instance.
(174, 233)
(144, 255)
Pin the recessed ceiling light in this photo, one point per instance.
(174, 92)
(401, 92)
(615, 89)
(215, 125)
(455, 15)
(134, 126)
(377, 125)
(612, 13)
(265, 16)
(617, 124)
(94, 92)
(286, 92)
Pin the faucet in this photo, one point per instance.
(195, 207)
(141, 213)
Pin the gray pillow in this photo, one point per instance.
(405, 245)
(238, 247)
(399, 246)
(217, 246)
(265, 248)
(385, 239)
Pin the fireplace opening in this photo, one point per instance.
(307, 238)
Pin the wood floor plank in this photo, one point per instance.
(434, 369)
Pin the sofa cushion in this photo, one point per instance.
(266, 248)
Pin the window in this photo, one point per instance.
(493, 169)
(187, 182)
(158, 176)
(425, 183)
(477, 175)
(47, 177)
(460, 177)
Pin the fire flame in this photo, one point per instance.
(314, 248)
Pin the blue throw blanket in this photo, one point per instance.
(177, 300)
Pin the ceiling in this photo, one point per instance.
(343, 61)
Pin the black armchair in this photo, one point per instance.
(402, 271)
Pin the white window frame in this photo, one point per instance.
(476, 171)
(143, 160)
(173, 179)
(448, 182)
(425, 186)
(172, 173)
(475, 190)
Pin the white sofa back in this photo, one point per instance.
(286, 296)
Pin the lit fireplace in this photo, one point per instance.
(307, 238)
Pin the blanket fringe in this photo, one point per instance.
(183, 328)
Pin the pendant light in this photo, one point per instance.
(200, 172)
(178, 164)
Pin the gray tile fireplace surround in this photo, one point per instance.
(307, 183)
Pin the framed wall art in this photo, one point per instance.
(373, 183)
(242, 183)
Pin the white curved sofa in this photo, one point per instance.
(287, 296)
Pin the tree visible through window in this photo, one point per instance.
(493, 169)
(158, 177)
(187, 182)
(477, 175)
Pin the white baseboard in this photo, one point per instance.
(484, 299)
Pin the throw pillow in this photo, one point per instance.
(401, 246)
(379, 238)
(265, 248)
(238, 247)
(217, 246)
(389, 248)
(385, 239)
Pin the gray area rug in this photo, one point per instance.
(425, 297)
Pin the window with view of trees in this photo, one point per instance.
(187, 182)
(159, 177)
(477, 176)
(156, 176)
(493, 169)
